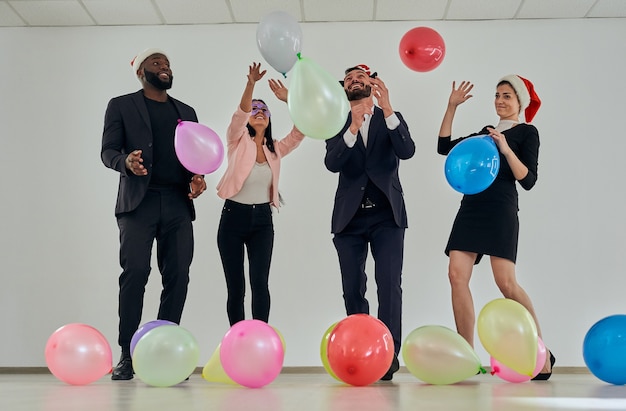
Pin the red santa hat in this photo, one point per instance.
(362, 67)
(142, 56)
(528, 100)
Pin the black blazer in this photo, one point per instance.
(127, 128)
(379, 162)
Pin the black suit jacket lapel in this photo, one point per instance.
(139, 101)
(359, 142)
(375, 124)
(359, 138)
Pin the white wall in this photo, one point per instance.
(59, 243)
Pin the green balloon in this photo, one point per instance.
(165, 356)
(317, 103)
(437, 355)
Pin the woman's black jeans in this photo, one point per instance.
(250, 226)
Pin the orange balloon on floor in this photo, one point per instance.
(360, 349)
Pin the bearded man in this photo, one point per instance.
(155, 196)
(369, 207)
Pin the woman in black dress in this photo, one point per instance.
(487, 222)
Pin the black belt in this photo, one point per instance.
(241, 206)
(367, 203)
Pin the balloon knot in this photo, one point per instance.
(484, 371)
(299, 56)
(284, 75)
(179, 120)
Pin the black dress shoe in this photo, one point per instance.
(395, 366)
(123, 370)
(545, 375)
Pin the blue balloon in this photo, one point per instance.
(604, 349)
(472, 165)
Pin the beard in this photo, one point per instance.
(154, 79)
(359, 94)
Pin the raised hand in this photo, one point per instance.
(461, 94)
(359, 111)
(381, 93)
(254, 73)
(279, 89)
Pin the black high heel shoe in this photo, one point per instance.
(543, 376)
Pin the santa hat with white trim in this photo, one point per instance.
(142, 56)
(528, 100)
(362, 67)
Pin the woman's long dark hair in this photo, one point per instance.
(269, 141)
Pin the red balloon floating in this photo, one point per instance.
(422, 49)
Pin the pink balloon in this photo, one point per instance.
(143, 329)
(252, 353)
(78, 354)
(198, 148)
(509, 375)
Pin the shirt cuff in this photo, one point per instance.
(392, 121)
(350, 139)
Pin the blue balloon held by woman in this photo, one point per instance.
(472, 165)
(604, 349)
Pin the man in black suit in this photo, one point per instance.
(154, 199)
(369, 205)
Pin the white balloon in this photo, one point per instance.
(279, 38)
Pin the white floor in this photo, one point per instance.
(304, 392)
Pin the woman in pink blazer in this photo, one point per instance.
(250, 189)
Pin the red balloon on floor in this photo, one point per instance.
(360, 349)
(422, 49)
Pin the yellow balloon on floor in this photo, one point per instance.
(509, 334)
(282, 339)
(213, 370)
(324, 351)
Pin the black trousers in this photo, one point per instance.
(163, 215)
(374, 227)
(252, 227)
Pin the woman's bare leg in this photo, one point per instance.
(459, 273)
(504, 275)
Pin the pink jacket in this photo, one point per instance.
(241, 152)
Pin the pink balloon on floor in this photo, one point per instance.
(507, 374)
(198, 148)
(78, 354)
(252, 353)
